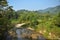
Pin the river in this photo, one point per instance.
(20, 32)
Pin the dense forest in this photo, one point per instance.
(47, 21)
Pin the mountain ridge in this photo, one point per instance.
(51, 9)
(54, 10)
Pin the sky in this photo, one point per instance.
(33, 4)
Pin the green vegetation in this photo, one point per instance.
(48, 23)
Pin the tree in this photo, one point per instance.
(3, 20)
(58, 20)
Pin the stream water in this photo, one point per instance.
(20, 31)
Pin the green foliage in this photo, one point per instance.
(5, 24)
(39, 21)
(58, 20)
(34, 19)
(3, 3)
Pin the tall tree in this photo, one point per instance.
(3, 20)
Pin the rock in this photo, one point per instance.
(30, 34)
(19, 25)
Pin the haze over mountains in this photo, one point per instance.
(50, 10)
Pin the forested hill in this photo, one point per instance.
(51, 9)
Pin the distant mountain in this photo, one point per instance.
(51, 9)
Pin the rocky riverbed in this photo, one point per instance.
(25, 34)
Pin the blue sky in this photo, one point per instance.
(33, 4)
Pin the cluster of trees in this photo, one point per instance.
(5, 14)
(3, 22)
(37, 20)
